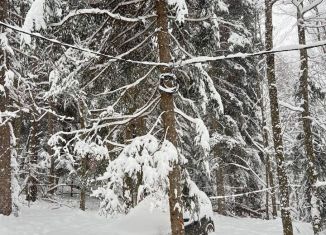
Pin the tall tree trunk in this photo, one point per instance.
(83, 187)
(306, 122)
(52, 177)
(32, 178)
(219, 172)
(270, 183)
(220, 190)
(268, 168)
(276, 124)
(260, 96)
(5, 153)
(169, 123)
(84, 164)
(273, 193)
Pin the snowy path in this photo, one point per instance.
(43, 219)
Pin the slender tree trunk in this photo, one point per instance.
(268, 167)
(220, 190)
(5, 153)
(219, 172)
(264, 130)
(169, 123)
(32, 180)
(276, 124)
(270, 183)
(84, 169)
(52, 177)
(265, 140)
(308, 136)
(319, 26)
(83, 165)
(273, 193)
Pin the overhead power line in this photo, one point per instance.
(180, 63)
(37, 35)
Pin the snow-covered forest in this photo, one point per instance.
(162, 117)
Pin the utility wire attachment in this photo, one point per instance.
(168, 83)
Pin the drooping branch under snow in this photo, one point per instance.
(127, 87)
(97, 11)
(290, 106)
(116, 122)
(117, 58)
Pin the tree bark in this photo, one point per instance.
(169, 123)
(84, 164)
(265, 140)
(52, 177)
(32, 180)
(220, 190)
(276, 124)
(84, 169)
(5, 153)
(306, 123)
(273, 195)
(268, 168)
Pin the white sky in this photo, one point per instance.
(285, 29)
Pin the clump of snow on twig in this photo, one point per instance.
(202, 138)
(84, 148)
(181, 9)
(35, 20)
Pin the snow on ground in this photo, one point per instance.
(44, 218)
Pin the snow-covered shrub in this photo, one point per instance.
(142, 170)
(143, 166)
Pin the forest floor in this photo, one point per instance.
(44, 218)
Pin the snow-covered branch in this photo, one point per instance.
(101, 12)
(290, 106)
(242, 194)
(180, 63)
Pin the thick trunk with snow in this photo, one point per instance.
(306, 122)
(167, 106)
(5, 153)
(276, 124)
